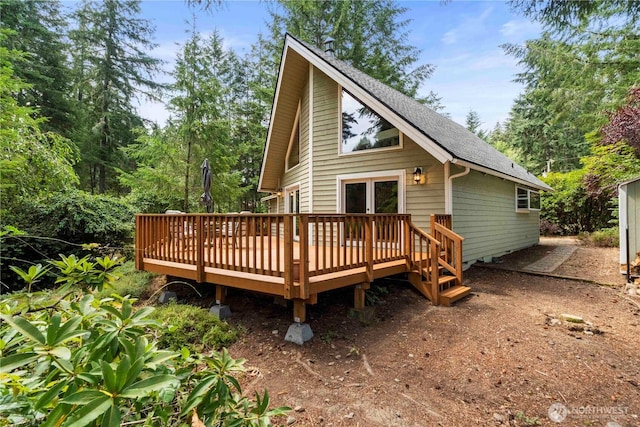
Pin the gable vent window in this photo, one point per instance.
(293, 151)
(527, 200)
(362, 129)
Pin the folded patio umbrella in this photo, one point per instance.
(206, 185)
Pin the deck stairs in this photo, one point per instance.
(449, 290)
(445, 287)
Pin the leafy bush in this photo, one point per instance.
(77, 361)
(132, 282)
(191, 327)
(605, 238)
(64, 223)
(547, 228)
(570, 207)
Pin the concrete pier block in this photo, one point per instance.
(167, 296)
(299, 333)
(220, 311)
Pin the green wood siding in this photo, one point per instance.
(420, 200)
(484, 214)
(300, 173)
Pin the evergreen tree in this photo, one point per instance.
(32, 162)
(582, 66)
(251, 119)
(112, 68)
(473, 122)
(37, 27)
(203, 103)
(370, 35)
(201, 106)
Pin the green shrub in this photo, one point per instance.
(131, 282)
(64, 223)
(191, 327)
(569, 209)
(73, 360)
(605, 238)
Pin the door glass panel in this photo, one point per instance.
(385, 196)
(355, 197)
(294, 207)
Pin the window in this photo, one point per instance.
(293, 151)
(362, 129)
(527, 200)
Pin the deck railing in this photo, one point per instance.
(296, 247)
(265, 243)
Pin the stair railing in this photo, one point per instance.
(423, 255)
(450, 255)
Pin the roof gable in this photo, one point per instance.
(443, 138)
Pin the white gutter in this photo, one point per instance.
(488, 171)
(448, 186)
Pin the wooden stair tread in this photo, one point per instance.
(453, 294)
(446, 279)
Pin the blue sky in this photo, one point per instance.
(461, 38)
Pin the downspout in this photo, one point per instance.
(448, 190)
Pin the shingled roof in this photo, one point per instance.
(462, 146)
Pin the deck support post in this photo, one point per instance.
(221, 294)
(299, 332)
(299, 311)
(360, 311)
(359, 296)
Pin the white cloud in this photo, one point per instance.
(497, 60)
(519, 29)
(449, 37)
(469, 27)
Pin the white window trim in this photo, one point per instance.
(400, 145)
(528, 208)
(296, 127)
(399, 174)
(286, 190)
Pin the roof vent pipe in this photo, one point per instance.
(328, 46)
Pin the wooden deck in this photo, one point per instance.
(298, 256)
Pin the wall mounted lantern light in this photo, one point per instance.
(418, 176)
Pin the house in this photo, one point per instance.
(340, 141)
(629, 205)
(365, 183)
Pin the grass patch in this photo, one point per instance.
(131, 282)
(605, 238)
(192, 327)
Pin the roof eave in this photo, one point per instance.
(464, 163)
(629, 181)
(283, 59)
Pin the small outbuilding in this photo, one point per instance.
(629, 205)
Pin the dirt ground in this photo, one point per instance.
(502, 356)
